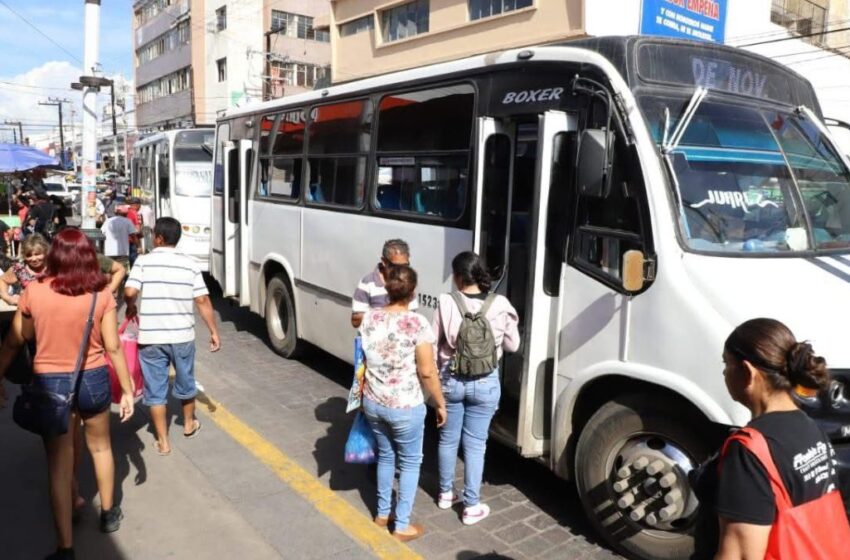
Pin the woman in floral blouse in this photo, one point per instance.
(398, 345)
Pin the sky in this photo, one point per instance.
(33, 68)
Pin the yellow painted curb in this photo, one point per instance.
(345, 516)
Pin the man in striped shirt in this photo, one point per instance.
(169, 284)
(371, 291)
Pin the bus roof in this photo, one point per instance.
(166, 134)
(636, 58)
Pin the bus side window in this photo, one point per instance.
(233, 177)
(560, 209)
(606, 227)
(422, 155)
(494, 204)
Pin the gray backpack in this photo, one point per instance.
(475, 352)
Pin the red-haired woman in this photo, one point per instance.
(51, 310)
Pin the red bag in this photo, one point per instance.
(816, 530)
(130, 345)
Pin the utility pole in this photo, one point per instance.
(74, 138)
(56, 102)
(20, 129)
(114, 128)
(91, 35)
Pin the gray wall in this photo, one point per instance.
(165, 110)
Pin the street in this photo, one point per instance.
(266, 478)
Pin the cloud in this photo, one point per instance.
(20, 95)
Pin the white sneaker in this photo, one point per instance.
(446, 499)
(474, 514)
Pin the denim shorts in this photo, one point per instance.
(156, 359)
(94, 396)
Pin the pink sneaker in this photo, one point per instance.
(474, 514)
(446, 499)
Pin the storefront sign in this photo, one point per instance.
(700, 20)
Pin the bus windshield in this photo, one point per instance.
(753, 179)
(193, 151)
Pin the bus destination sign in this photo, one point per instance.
(723, 70)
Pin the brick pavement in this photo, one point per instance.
(300, 407)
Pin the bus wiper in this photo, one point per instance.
(674, 139)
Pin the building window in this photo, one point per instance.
(167, 85)
(405, 21)
(151, 10)
(801, 17)
(358, 25)
(221, 19)
(221, 66)
(168, 41)
(485, 8)
(295, 74)
(296, 25)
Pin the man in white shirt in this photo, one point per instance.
(163, 289)
(120, 232)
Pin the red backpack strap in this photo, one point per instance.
(755, 443)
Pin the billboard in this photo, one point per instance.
(699, 20)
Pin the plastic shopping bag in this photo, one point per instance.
(355, 395)
(361, 447)
(129, 343)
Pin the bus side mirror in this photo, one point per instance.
(593, 174)
(633, 266)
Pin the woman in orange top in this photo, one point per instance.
(52, 310)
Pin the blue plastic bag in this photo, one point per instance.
(355, 395)
(361, 447)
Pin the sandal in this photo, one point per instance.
(194, 432)
(159, 450)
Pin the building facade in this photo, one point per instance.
(196, 58)
(164, 37)
(377, 36)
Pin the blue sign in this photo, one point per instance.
(699, 20)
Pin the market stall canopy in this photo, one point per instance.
(17, 157)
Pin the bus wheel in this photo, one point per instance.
(632, 460)
(280, 318)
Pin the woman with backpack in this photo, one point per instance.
(473, 328)
(777, 493)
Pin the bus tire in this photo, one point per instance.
(632, 425)
(280, 317)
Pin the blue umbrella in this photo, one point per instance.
(17, 157)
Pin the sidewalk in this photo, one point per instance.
(206, 500)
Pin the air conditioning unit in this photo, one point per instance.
(212, 27)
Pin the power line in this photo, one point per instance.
(819, 33)
(40, 32)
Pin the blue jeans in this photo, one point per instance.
(94, 396)
(398, 431)
(471, 404)
(155, 359)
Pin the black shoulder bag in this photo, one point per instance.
(46, 413)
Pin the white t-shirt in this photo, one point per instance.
(117, 231)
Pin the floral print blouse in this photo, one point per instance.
(389, 342)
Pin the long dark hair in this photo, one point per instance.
(401, 283)
(469, 267)
(771, 347)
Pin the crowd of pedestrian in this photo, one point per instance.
(65, 288)
(771, 491)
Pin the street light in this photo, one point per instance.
(96, 82)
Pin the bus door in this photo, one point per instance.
(223, 146)
(515, 167)
(237, 170)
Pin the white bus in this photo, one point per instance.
(173, 172)
(635, 198)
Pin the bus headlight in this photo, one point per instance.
(207, 230)
(196, 229)
(186, 228)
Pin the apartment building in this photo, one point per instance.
(297, 38)
(197, 58)
(164, 37)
